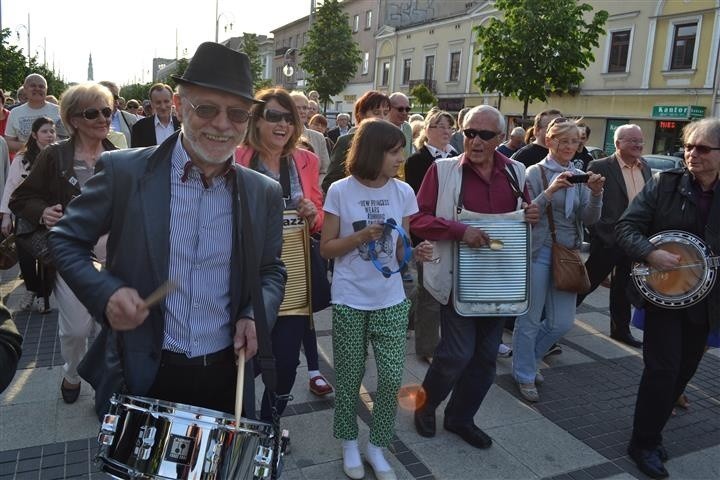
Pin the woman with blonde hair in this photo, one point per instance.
(568, 205)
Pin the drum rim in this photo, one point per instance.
(699, 292)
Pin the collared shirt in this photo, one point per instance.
(704, 199)
(115, 121)
(437, 153)
(479, 195)
(162, 132)
(198, 317)
(632, 174)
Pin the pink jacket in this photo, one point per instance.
(308, 168)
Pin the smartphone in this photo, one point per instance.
(581, 178)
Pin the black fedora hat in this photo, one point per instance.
(221, 68)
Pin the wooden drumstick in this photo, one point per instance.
(160, 293)
(239, 386)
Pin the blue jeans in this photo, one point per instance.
(464, 363)
(534, 334)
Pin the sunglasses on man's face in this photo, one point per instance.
(93, 113)
(701, 149)
(274, 116)
(208, 112)
(483, 134)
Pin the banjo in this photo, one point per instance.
(682, 286)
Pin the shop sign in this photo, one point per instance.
(451, 104)
(612, 125)
(349, 98)
(678, 111)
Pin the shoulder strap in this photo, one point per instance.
(551, 221)
(285, 178)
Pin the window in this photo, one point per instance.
(385, 74)
(683, 46)
(407, 64)
(454, 75)
(429, 67)
(366, 63)
(356, 23)
(619, 50)
(368, 20)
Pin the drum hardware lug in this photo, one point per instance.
(284, 439)
(263, 459)
(145, 442)
(641, 271)
(107, 429)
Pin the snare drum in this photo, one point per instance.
(146, 438)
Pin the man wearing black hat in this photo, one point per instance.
(179, 212)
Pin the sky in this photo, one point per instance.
(124, 36)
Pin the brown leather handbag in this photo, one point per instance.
(568, 269)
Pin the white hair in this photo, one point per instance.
(480, 109)
(623, 128)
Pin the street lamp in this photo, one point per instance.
(229, 18)
(289, 60)
(27, 31)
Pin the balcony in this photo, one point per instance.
(430, 84)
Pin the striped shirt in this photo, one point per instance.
(198, 317)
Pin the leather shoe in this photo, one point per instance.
(648, 461)
(69, 395)
(663, 453)
(425, 422)
(471, 434)
(627, 339)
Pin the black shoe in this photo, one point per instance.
(471, 434)
(648, 461)
(663, 453)
(425, 422)
(69, 395)
(627, 339)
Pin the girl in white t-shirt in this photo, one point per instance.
(369, 305)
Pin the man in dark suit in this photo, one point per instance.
(179, 212)
(155, 129)
(343, 125)
(626, 174)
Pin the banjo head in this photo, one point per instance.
(681, 287)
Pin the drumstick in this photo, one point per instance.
(239, 386)
(160, 293)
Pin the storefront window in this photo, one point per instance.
(668, 137)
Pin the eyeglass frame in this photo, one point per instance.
(96, 114)
(217, 111)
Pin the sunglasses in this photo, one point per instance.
(403, 109)
(483, 134)
(274, 116)
(93, 113)
(701, 149)
(207, 112)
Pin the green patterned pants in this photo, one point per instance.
(352, 329)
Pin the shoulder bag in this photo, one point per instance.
(568, 269)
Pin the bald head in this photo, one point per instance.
(399, 108)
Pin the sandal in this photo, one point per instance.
(318, 388)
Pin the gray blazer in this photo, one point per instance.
(129, 198)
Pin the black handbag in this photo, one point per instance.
(33, 238)
(319, 282)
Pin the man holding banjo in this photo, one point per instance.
(673, 226)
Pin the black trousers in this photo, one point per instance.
(673, 344)
(211, 386)
(600, 263)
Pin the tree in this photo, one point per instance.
(251, 48)
(138, 91)
(14, 68)
(331, 56)
(181, 65)
(541, 47)
(423, 95)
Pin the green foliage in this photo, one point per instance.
(14, 68)
(540, 47)
(251, 48)
(138, 91)
(331, 56)
(182, 64)
(422, 95)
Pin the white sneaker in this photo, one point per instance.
(26, 302)
(504, 351)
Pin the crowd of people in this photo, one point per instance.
(383, 197)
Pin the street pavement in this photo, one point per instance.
(579, 429)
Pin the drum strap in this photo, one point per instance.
(252, 278)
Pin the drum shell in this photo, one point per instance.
(158, 439)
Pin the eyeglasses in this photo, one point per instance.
(441, 127)
(633, 141)
(403, 109)
(483, 134)
(701, 149)
(207, 112)
(93, 113)
(274, 116)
